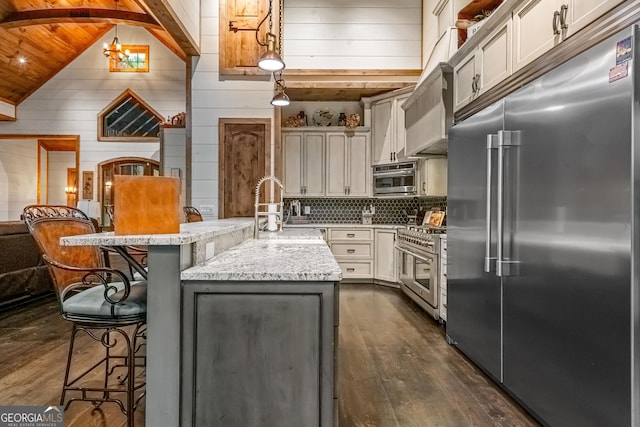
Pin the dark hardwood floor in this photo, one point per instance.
(395, 368)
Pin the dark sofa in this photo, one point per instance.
(23, 275)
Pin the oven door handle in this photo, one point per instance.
(413, 254)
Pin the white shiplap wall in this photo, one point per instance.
(360, 34)
(214, 98)
(18, 176)
(70, 102)
(374, 34)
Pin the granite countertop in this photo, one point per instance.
(269, 260)
(292, 233)
(190, 232)
(332, 225)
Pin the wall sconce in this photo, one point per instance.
(271, 59)
(280, 99)
(70, 189)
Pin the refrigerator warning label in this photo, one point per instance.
(618, 72)
(623, 50)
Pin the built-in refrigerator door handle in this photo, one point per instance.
(505, 264)
(489, 261)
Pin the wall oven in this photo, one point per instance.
(418, 267)
(395, 179)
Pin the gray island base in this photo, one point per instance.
(260, 335)
(240, 332)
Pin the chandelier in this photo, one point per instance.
(114, 50)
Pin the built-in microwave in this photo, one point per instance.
(395, 179)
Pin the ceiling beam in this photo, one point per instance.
(7, 111)
(169, 20)
(78, 16)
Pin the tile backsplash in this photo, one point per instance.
(349, 211)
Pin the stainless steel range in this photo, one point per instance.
(419, 277)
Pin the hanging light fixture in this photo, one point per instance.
(280, 99)
(271, 59)
(114, 51)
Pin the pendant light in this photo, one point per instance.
(114, 51)
(280, 99)
(270, 60)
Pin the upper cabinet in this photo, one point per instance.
(487, 65)
(539, 25)
(519, 33)
(326, 163)
(348, 167)
(239, 49)
(303, 160)
(388, 126)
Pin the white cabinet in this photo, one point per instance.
(536, 25)
(487, 65)
(443, 279)
(353, 250)
(524, 30)
(385, 255)
(540, 25)
(303, 160)
(347, 162)
(580, 13)
(387, 126)
(432, 177)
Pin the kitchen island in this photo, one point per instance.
(257, 308)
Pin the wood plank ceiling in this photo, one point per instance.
(38, 38)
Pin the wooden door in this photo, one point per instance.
(243, 156)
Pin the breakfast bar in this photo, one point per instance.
(239, 330)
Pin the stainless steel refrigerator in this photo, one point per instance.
(543, 223)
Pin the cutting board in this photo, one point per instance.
(146, 204)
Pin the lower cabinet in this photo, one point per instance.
(353, 249)
(385, 255)
(364, 253)
(259, 351)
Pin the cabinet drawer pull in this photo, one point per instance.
(351, 269)
(351, 251)
(556, 20)
(351, 235)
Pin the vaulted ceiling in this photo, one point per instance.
(38, 38)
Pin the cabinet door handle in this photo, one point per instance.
(351, 251)
(556, 19)
(351, 269)
(563, 17)
(350, 235)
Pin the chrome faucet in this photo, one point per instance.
(279, 207)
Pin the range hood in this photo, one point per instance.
(429, 109)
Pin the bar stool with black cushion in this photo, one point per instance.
(192, 214)
(103, 303)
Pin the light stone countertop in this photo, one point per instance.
(190, 232)
(271, 260)
(332, 225)
(292, 233)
